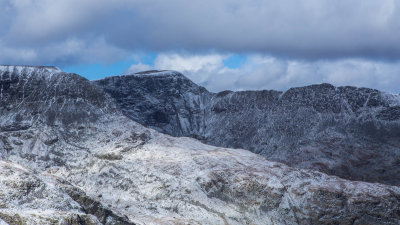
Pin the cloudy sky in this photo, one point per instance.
(220, 44)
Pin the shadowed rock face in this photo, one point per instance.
(346, 131)
(174, 104)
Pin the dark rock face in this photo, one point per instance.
(346, 131)
(92, 207)
(174, 104)
(339, 131)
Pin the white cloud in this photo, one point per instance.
(198, 67)
(138, 68)
(266, 72)
(193, 63)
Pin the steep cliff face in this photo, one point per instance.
(100, 167)
(164, 100)
(346, 131)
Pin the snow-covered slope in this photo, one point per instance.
(101, 167)
(156, 179)
(29, 197)
(346, 131)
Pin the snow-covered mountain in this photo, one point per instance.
(350, 132)
(69, 156)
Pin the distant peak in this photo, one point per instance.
(20, 68)
(150, 73)
(158, 73)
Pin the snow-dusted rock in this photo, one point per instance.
(106, 168)
(28, 197)
(181, 180)
(350, 132)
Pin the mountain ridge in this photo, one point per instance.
(339, 130)
(90, 164)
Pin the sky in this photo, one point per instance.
(221, 45)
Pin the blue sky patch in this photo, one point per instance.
(235, 61)
(98, 70)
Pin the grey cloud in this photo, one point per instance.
(6, 16)
(309, 29)
(300, 29)
(66, 52)
(41, 22)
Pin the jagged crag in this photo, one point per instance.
(74, 151)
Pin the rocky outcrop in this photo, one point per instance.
(350, 132)
(95, 208)
(29, 198)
